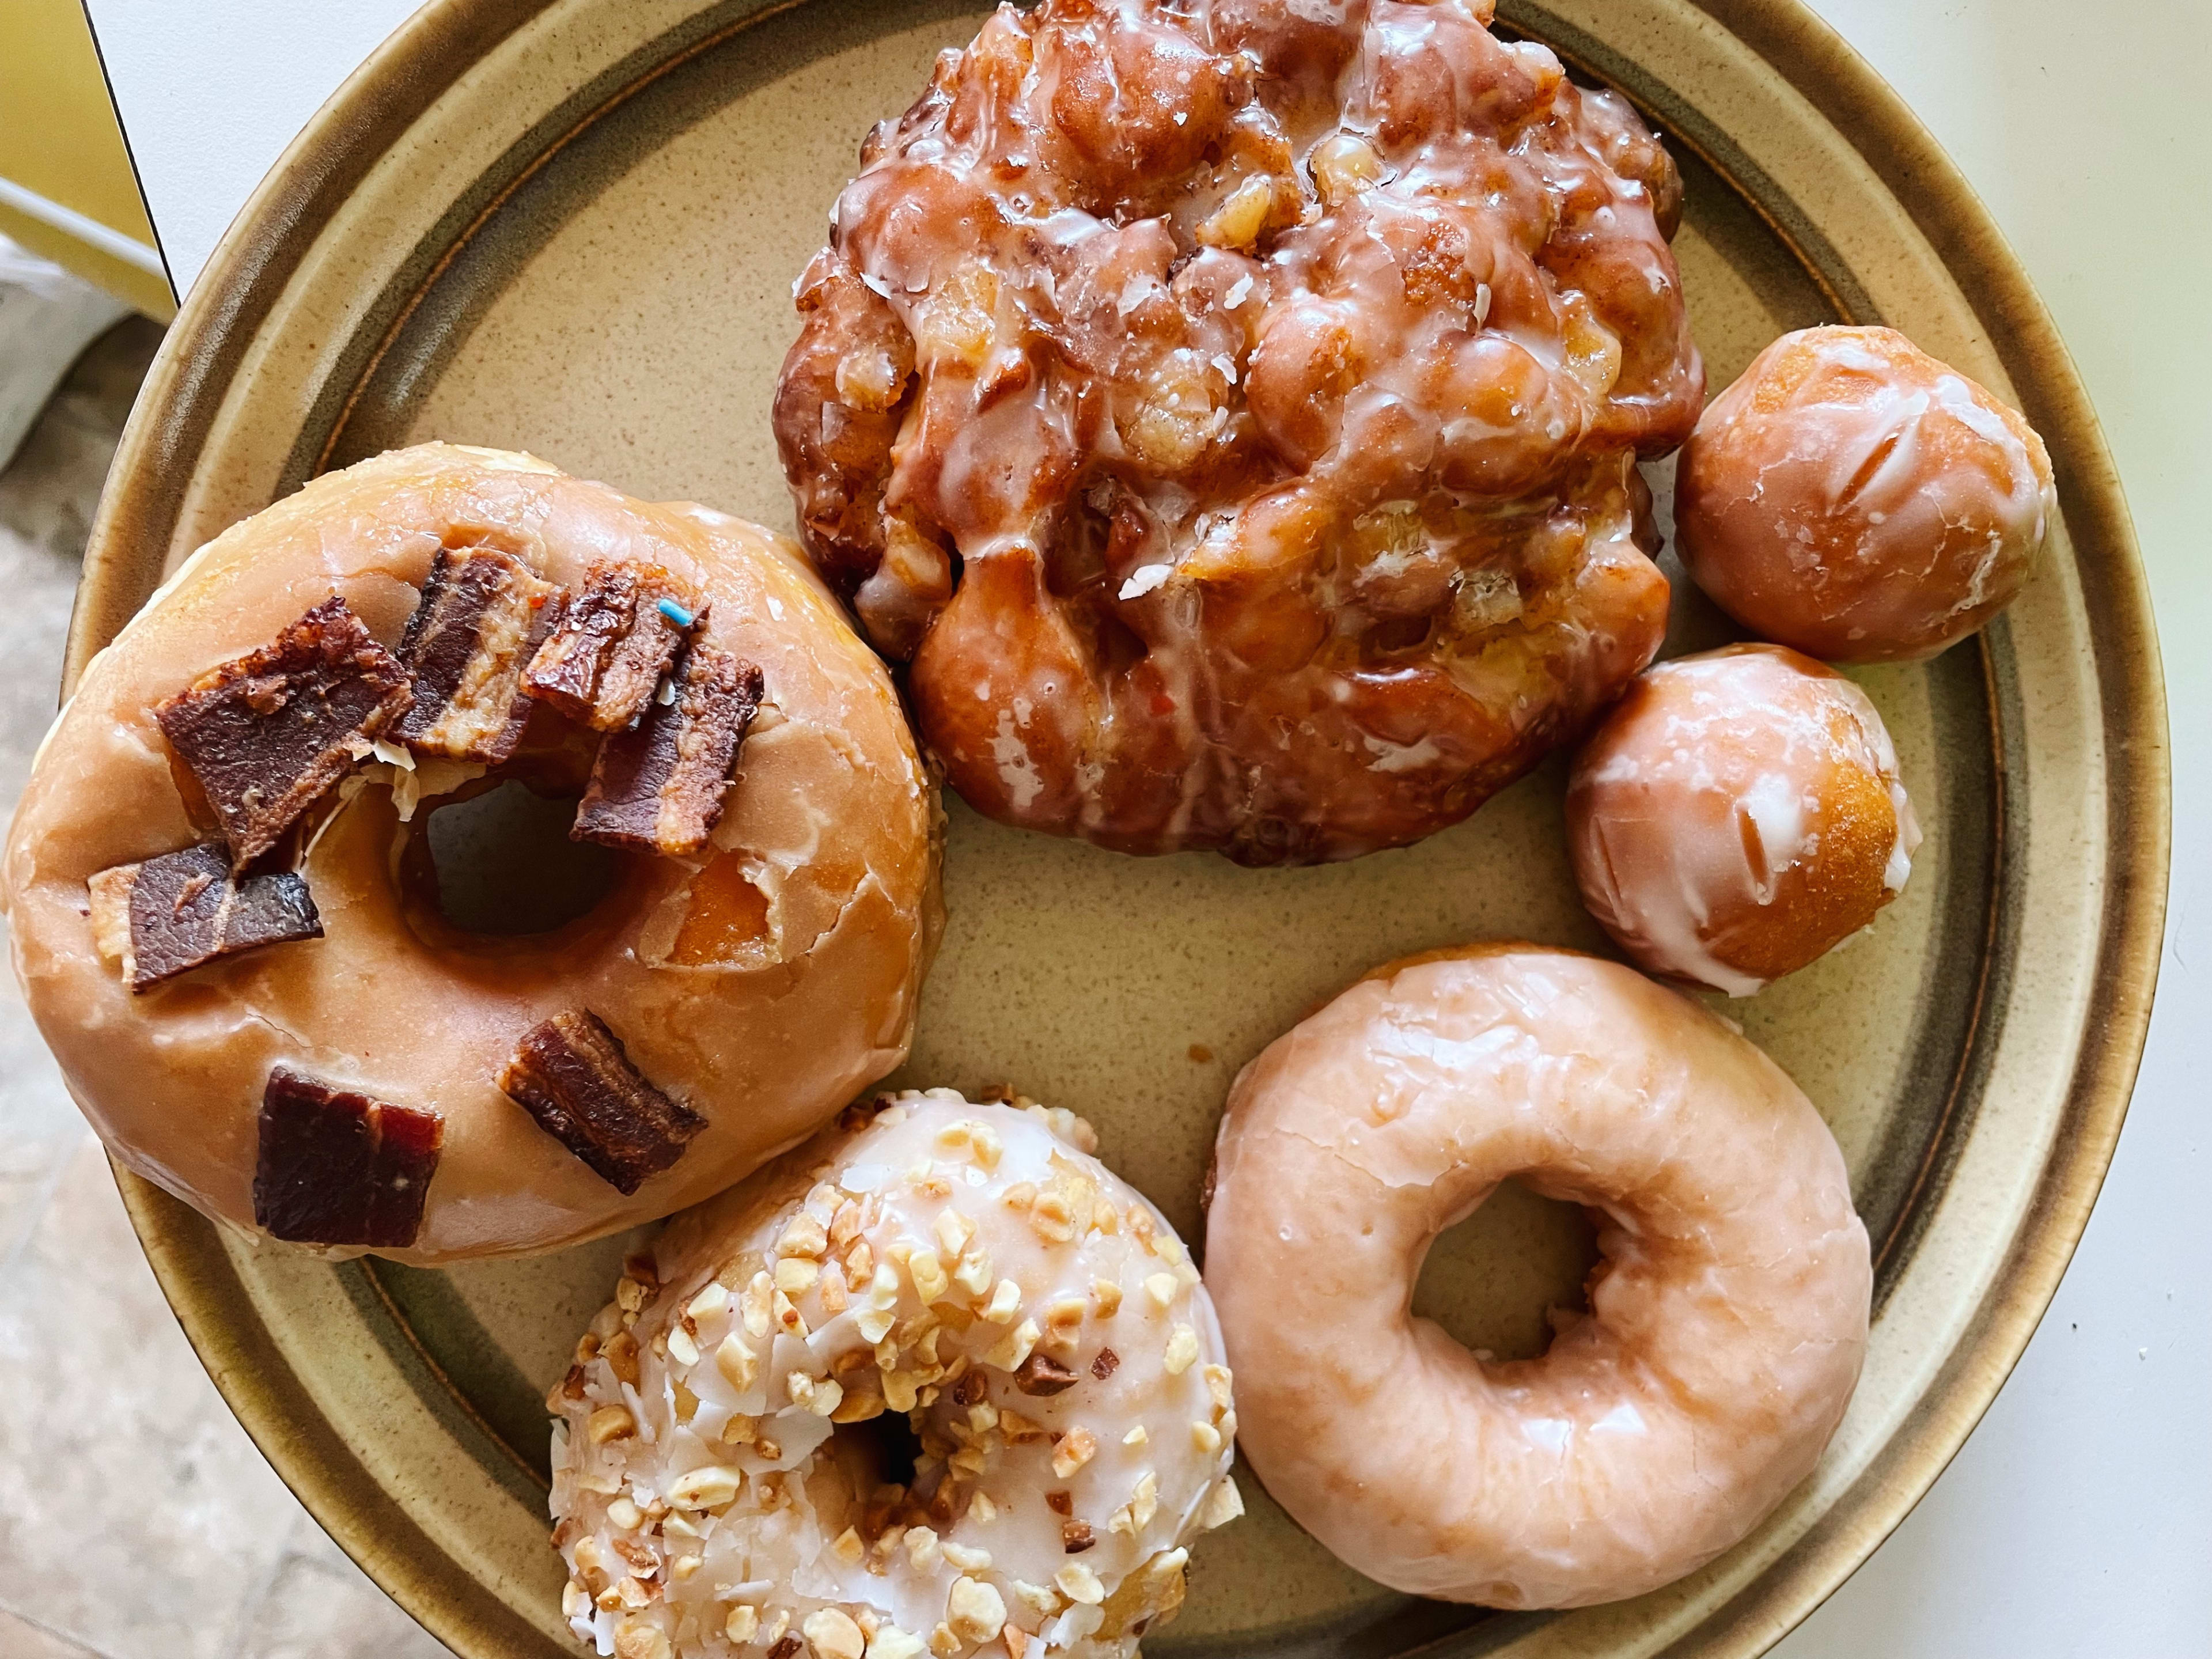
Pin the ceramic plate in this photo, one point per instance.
(572, 229)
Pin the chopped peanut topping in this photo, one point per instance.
(953, 1231)
(1076, 1447)
(890, 1642)
(988, 1146)
(609, 1423)
(709, 1302)
(1161, 1288)
(975, 1610)
(1205, 1437)
(743, 1624)
(1037, 1598)
(973, 1275)
(1108, 1295)
(833, 1635)
(1006, 1303)
(927, 1273)
(738, 1365)
(804, 1236)
(1144, 1502)
(1223, 1504)
(1136, 1437)
(760, 1293)
(706, 1488)
(1217, 1384)
(1052, 1218)
(1008, 1353)
(787, 1318)
(621, 1354)
(796, 1276)
(1078, 1584)
(625, 1515)
(1182, 1350)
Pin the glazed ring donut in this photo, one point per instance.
(235, 946)
(1728, 1314)
(932, 1382)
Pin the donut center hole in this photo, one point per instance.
(1492, 1278)
(501, 862)
(882, 1449)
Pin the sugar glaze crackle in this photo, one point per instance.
(1231, 416)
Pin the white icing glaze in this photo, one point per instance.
(922, 1258)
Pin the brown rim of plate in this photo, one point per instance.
(263, 247)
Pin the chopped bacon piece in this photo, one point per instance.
(159, 918)
(339, 1168)
(573, 1075)
(266, 734)
(482, 614)
(658, 787)
(605, 656)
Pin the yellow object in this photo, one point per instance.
(67, 188)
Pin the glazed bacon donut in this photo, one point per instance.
(936, 1382)
(1738, 814)
(1232, 412)
(227, 916)
(1728, 1314)
(1853, 497)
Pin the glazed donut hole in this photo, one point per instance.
(1737, 815)
(497, 858)
(937, 1382)
(1853, 498)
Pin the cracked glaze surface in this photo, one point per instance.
(1232, 415)
(764, 982)
(1728, 1315)
(1853, 497)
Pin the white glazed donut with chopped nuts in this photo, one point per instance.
(936, 1380)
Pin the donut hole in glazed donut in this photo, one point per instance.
(501, 861)
(1500, 1279)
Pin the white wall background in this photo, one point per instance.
(2078, 1520)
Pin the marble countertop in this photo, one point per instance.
(136, 1519)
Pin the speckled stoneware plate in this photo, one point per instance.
(572, 229)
